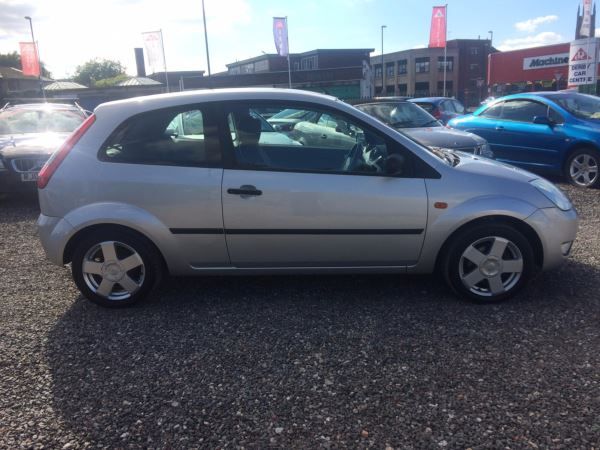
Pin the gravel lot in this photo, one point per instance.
(332, 361)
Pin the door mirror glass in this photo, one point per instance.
(395, 164)
(543, 120)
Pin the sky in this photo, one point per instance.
(71, 32)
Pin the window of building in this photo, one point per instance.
(389, 90)
(402, 66)
(422, 89)
(389, 70)
(172, 137)
(449, 64)
(473, 67)
(449, 88)
(261, 66)
(474, 50)
(378, 72)
(305, 149)
(234, 70)
(296, 65)
(309, 63)
(422, 65)
(403, 89)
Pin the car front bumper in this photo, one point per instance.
(557, 230)
(11, 182)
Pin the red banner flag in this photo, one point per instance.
(437, 35)
(29, 61)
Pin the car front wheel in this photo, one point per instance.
(115, 268)
(488, 263)
(582, 168)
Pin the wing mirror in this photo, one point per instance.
(394, 165)
(543, 120)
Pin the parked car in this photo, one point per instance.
(124, 203)
(286, 119)
(442, 108)
(555, 133)
(29, 133)
(421, 126)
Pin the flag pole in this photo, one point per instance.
(445, 46)
(287, 36)
(162, 44)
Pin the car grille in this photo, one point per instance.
(28, 164)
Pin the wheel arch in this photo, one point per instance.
(91, 229)
(578, 145)
(521, 226)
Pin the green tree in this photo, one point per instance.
(107, 82)
(95, 70)
(14, 60)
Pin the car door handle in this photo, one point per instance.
(244, 191)
(499, 128)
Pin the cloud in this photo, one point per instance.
(531, 25)
(544, 38)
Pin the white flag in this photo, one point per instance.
(153, 42)
(586, 23)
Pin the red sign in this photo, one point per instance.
(437, 35)
(581, 55)
(29, 60)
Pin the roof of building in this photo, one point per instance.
(139, 81)
(63, 86)
(297, 55)
(12, 73)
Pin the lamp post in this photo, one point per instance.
(382, 27)
(206, 38)
(37, 54)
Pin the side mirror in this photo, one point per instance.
(543, 120)
(394, 165)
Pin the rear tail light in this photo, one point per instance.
(59, 155)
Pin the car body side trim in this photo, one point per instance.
(299, 231)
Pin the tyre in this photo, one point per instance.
(582, 168)
(116, 268)
(488, 263)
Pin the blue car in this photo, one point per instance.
(556, 133)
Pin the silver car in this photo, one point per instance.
(126, 200)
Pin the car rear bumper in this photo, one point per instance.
(54, 233)
(557, 230)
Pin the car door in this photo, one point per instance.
(319, 206)
(525, 143)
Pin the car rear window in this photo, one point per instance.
(174, 136)
(426, 106)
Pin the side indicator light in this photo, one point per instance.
(440, 205)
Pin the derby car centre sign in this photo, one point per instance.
(583, 65)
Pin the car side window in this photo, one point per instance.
(523, 110)
(493, 112)
(172, 136)
(345, 146)
(448, 106)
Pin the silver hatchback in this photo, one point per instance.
(195, 184)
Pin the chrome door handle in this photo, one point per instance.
(245, 191)
(499, 128)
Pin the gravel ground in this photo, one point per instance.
(331, 361)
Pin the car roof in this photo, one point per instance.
(429, 99)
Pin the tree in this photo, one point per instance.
(14, 60)
(97, 69)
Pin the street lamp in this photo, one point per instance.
(382, 27)
(37, 54)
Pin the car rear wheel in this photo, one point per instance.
(488, 263)
(582, 168)
(115, 268)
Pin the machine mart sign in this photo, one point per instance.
(541, 62)
(583, 66)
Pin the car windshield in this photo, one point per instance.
(580, 105)
(400, 115)
(21, 121)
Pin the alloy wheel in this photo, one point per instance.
(491, 266)
(583, 170)
(113, 270)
